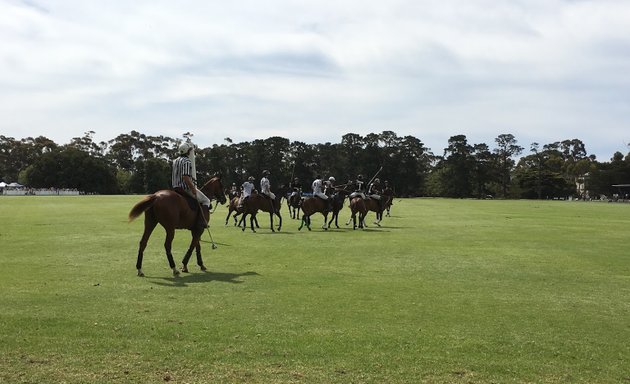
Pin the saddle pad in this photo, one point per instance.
(192, 202)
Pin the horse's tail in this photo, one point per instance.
(141, 207)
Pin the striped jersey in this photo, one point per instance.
(182, 166)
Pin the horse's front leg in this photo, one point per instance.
(271, 220)
(379, 217)
(199, 259)
(243, 222)
(279, 220)
(194, 245)
(186, 259)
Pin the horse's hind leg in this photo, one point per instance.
(242, 222)
(170, 235)
(301, 224)
(149, 225)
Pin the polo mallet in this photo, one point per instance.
(214, 246)
(374, 177)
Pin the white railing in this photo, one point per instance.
(40, 192)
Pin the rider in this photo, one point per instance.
(359, 188)
(233, 190)
(329, 186)
(246, 190)
(317, 191)
(295, 187)
(265, 186)
(375, 191)
(184, 179)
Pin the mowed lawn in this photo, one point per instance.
(446, 291)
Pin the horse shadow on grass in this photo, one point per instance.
(201, 277)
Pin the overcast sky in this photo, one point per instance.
(542, 70)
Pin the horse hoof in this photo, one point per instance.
(184, 269)
(175, 272)
(203, 268)
(140, 274)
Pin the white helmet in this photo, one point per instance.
(331, 179)
(185, 147)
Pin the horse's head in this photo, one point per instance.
(214, 189)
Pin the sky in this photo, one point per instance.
(312, 71)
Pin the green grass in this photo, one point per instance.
(447, 291)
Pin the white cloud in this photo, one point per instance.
(312, 71)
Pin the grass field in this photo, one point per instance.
(447, 291)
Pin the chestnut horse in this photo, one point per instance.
(172, 211)
(311, 205)
(373, 205)
(257, 202)
(233, 207)
(357, 205)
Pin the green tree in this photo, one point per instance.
(482, 170)
(505, 151)
(71, 168)
(456, 168)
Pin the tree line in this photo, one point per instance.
(139, 163)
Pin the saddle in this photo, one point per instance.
(192, 202)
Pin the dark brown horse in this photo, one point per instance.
(338, 199)
(390, 194)
(172, 211)
(294, 202)
(357, 205)
(311, 205)
(257, 202)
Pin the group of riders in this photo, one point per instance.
(183, 181)
(322, 188)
